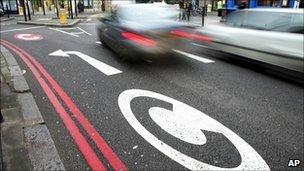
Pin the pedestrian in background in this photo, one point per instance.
(185, 10)
(189, 8)
(80, 6)
(219, 7)
(184, 7)
(181, 6)
(243, 5)
(62, 5)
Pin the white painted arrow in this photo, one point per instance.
(104, 68)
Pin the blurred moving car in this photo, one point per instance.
(145, 30)
(273, 36)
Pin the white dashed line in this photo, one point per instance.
(84, 31)
(87, 24)
(64, 32)
(199, 58)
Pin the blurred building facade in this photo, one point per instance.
(10, 5)
(263, 3)
(13, 6)
(235, 3)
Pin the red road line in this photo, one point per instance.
(79, 139)
(108, 153)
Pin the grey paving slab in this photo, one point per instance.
(15, 71)
(9, 58)
(41, 148)
(19, 84)
(8, 99)
(11, 116)
(11, 61)
(6, 74)
(13, 150)
(29, 109)
(3, 49)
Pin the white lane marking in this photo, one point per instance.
(185, 122)
(27, 28)
(98, 42)
(199, 45)
(89, 19)
(86, 24)
(84, 31)
(104, 68)
(69, 28)
(199, 58)
(64, 32)
(76, 32)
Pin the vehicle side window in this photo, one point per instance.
(288, 22)
(257, 20)
(105, 17)
(267, 20)
(235, 19)
(297, 24)
(281, 22)
(114, 17)
(109, 18)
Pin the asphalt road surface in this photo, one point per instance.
(201, 112)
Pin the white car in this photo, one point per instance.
(272, 36)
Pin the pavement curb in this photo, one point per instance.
(78, 17)
(41, 23)
(13, 73)
(25, 139)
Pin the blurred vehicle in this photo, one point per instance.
(273, 36)
(145, 30)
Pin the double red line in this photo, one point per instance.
(51, 89)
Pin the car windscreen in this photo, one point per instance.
(147, 13)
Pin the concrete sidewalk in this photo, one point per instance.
(50, 22)
(26, 143)
(49, 19)
(49, 15)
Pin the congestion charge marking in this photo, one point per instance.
(185, 123)
(28, 36)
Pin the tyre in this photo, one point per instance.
(101, 39)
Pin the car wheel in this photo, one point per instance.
(103, 43)
(121, 54)
(126, 57)
(101, 39)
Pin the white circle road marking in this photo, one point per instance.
(28, 36)
(186, 123)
